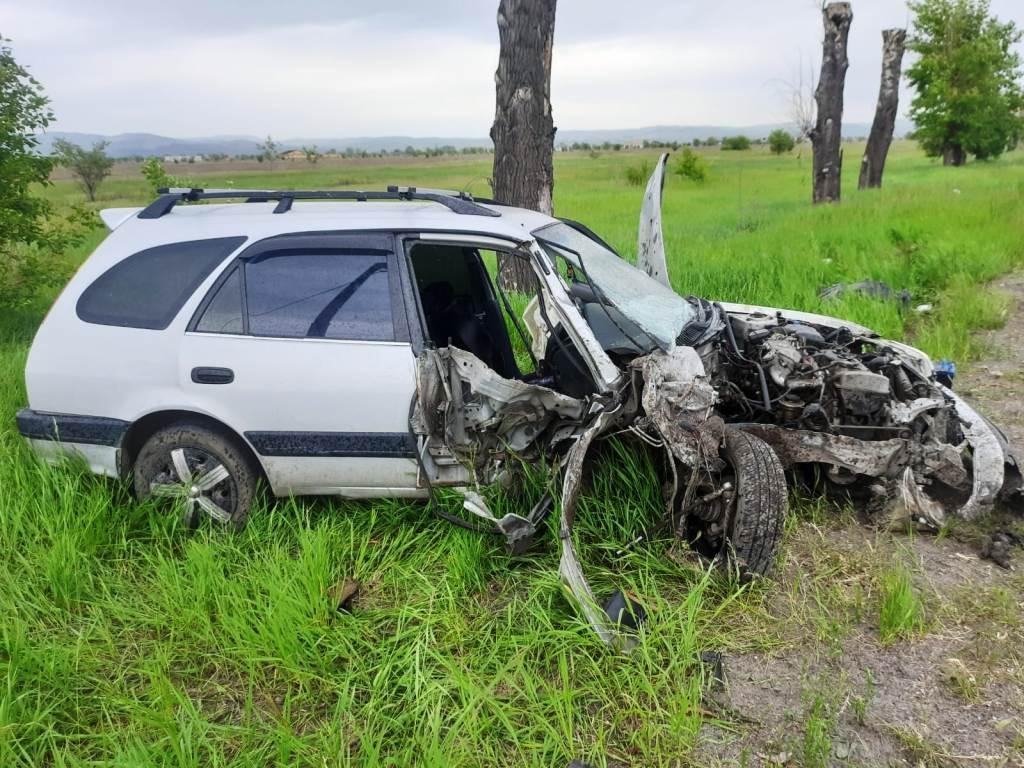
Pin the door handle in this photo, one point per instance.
(204, 375)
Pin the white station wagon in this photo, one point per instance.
(354, 343)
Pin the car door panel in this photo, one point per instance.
(324, 415)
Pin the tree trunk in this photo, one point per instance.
(954, 154)
(873, 163)
(524, 132)
(827, 135)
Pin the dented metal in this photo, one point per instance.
(822, 392)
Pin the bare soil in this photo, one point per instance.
(825, 690)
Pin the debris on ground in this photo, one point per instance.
(342, 594)
(998, 547)
(874, 289)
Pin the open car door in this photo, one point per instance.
(650, 247)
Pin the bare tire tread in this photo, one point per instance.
(760, 513)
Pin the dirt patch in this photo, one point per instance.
(831, 693)
(996, 383)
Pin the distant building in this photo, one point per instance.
(634, 144)
(184, 158)
(293, 154)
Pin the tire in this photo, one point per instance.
(219, 479)
(761, 501)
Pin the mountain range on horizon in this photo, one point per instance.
(152, 145)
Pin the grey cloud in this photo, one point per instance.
(423, 66)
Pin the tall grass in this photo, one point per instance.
(128, 641)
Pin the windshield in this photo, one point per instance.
(657, 310)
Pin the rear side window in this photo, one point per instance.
(320, 294)
(224, 312)
(149, 288)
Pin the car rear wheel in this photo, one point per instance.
(197, 472)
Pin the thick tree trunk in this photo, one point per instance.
(873, 163)
(827, 135)
(954, 154)
(524, 132)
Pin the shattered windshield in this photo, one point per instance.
(658, 310)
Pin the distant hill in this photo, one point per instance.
(148, 144)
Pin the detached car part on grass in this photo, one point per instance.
(418, 388)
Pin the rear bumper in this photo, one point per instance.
(93, 439)
(71, 428)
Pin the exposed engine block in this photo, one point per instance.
(770, 370)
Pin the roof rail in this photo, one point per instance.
(457, 202)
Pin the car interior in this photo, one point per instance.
(461, 308)
(459, 304)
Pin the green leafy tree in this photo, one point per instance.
(692, 166)
(89, 166)
(31, 236)
(736, 143)
(967, 80)
(780, 142)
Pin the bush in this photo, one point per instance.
(736, 143)
(154, 172)
(692, 166)
(781, 142)
(637, 175)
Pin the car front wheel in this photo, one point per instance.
(197, 472)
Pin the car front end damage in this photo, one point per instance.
(740, 401)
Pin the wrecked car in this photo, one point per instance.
(357, 343)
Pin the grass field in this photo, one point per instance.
(129, 642)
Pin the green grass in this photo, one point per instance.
(130, 642)
(902, 610)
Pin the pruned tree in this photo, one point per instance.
(89, 166)
(873, 163)
(524, 131)
(801, 100)
(827, 135)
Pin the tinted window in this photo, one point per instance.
(320, 294)
(148, 289)
(224, 312)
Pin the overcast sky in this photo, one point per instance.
(337, 68)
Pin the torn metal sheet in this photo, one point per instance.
(650, 247)
(987, 458)
(680, 400)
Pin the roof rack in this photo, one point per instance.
(457, 202)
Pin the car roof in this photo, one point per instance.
(257, 220)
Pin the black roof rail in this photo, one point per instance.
(457, 202)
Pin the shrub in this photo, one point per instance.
(781, 142)
(637, 175)
(736, 143)
(154, 172)
(692, 166)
